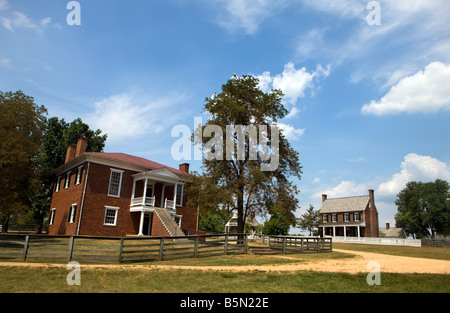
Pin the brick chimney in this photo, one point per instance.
(324, 197)
(75, 150)
(371, 198)
(70, 153)
(81, 146)
(184, 168)
(388, 226)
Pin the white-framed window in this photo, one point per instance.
(334, 218)
(58, 184)
(67, 182)
(115, 183)
(180, 194)
(357, 217)
(72, 213)
(325, 218)
(110, 215)
(52, 217)
(79, 175)
(346, 217)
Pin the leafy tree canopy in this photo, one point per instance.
(240, 184)
(423, 209)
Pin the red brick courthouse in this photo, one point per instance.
(116, 194)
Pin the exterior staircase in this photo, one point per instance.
(169, 223)
(261, 250)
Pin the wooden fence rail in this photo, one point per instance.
(117, 249)
(296, 244)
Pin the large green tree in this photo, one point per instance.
(423, 209)
(58, 135)
(246, 181)
(22, 122)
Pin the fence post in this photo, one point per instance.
(318, 245)
(72, 239)
(121, 250)
(25, 247)
(284, 245)
(226, 243)
(301, 243)
(245, 243)
(196, 246)
(161, 249)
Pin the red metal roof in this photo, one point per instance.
(131, 159)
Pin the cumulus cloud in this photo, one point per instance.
(293, 83)
(346, 188)
(415, 167)
(424, 92)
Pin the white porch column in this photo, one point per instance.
(359, 234)
(145, 191)
(334, 231)
(141, 224)
(175, 196)
(323, 231)
(134, 188)
(345, 232)
(162, 195)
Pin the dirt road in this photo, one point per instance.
(358, 264)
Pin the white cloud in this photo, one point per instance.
(129, 116)
(6, 63)
(415, 168)
(345, 188)
(246, 14)
(20, 20)
(424, 92)
(3, 4)
(290, 132)
(292, 82)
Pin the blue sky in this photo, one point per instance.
(369, 104)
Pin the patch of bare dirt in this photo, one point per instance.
(358, 264)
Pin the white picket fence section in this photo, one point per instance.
(380, 241)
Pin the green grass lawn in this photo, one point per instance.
(53, 280)
(417, 252)
(151, 280)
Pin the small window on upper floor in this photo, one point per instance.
(115, 182)
(79, 175)
(67, 182)
(346, 217)
(180, 194)
(58, 184)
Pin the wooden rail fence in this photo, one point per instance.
(297, 244)
(117, 249)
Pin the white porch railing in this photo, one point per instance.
(169, 204)
(149, 201)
